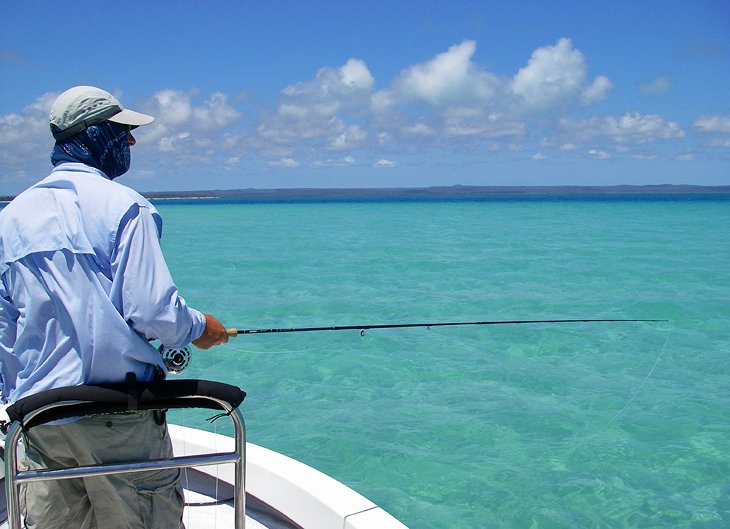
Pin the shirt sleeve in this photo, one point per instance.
(8, 331)
(142, 288)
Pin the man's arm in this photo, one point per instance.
(145, 294)
(214, 334)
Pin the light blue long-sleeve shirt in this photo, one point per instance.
(84, 285)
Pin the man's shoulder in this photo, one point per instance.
(124, 194)
(88, 181)
(71, 191)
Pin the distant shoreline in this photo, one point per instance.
(450, 191)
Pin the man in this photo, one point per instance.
(83, 288)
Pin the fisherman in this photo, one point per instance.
(84, 287)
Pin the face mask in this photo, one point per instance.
(104, 146)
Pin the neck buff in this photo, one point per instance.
(103, 146)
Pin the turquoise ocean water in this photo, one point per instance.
(602, 425)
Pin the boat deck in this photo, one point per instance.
(203, 511)
(282, 493)
(209, 503)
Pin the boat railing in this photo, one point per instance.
(77, 401)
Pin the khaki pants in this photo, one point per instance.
(147, 500)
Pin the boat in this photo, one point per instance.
(228, 482)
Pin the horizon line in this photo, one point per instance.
(454, 189)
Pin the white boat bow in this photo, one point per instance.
(281, 492)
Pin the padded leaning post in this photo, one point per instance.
(79, 401)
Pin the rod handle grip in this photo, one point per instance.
(232, 332)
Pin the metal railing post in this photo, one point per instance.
(15, 478)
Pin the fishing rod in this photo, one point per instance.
(177, 359)
(363, 328)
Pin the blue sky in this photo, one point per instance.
(269, 94)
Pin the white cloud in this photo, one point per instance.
(29, 126)
(169, 143)
(553, 76)
(215, 113)
(178, 118)
(539, 156)
(658, 85)
(315, 110)
(285, 162)
(596, 153)
(629, 127)
(418, 130)
(356, 74)
(332, 88)
(26, 141)
(281, 131)
(351, 138)
(172, 107)
(335, 162)
(448, 97)
(476, 124)
(10, 128)
(717, 124)
(643, 127)
(382, 101)
(306, 110)
(447, 102)
(720, 143)
(450, 78)
(598, 91)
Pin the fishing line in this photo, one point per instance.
(618, 415)
(248, 351)
(643, 382)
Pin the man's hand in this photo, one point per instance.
(214, 334)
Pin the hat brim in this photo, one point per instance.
(130, 117)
